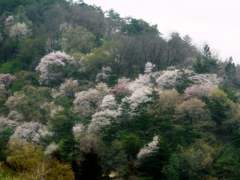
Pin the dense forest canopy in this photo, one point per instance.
(87, 94)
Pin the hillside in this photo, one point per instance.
(87, 94)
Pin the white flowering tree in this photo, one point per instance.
(51, 148)
(66, 89)
(30, 132)
(104, 75)
(138, 96)
(101, 119)
(78, 129)
(149, 67)
(18, 30)
(150, 148)
(108, 102)
(51, 67)
(86, 101)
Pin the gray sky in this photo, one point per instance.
(215, 22)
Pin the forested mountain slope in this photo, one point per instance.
(87, 94)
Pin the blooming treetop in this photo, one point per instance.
(137, 97)
(108, 102)
(150, 148)
(49, 65)
(101, 119)
(19, 29)
(149, 67)
(7, 80)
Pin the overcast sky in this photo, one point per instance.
(215, 22)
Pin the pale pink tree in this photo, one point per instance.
(51, 67)
(198, 91)
(7, 80)
(121, 89)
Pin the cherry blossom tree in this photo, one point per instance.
(198, 91)
(121, 89)
(7, 80)
(138, 96)
(104, 75)
(66, 89)
(51, 148)
(78, 129)
(150, 148)
(30, 132)
(19, 29)
(149, 67)
(101, 119)
(108, 102)
(51, 67)
(86, 101)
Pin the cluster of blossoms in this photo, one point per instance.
(7, 80)
(103, 76)
(5, 122)
(51, 148)
(78, 129)
(66, 89)
(19, 29)
(148, 67)
(108, 102)
(150, 148)
(30, 132)
(138, 96)
(168, 79)
(86, 101)
(198, 91)
(101, 119)
(51, 65)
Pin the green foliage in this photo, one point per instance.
(78, 39)
(90, 166)
(228, 164)
(114, 158)
(131, 144)
(138, 26)
(11, 67)
(68, 147)
(16, 86)
(230, 69)
(190, 147)
(153, 164)
(219, 106)
(4, 138)
(236, 139)
(183, 83)
(62, 123)
(171, 171)
(206, 64)
(231, 93)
